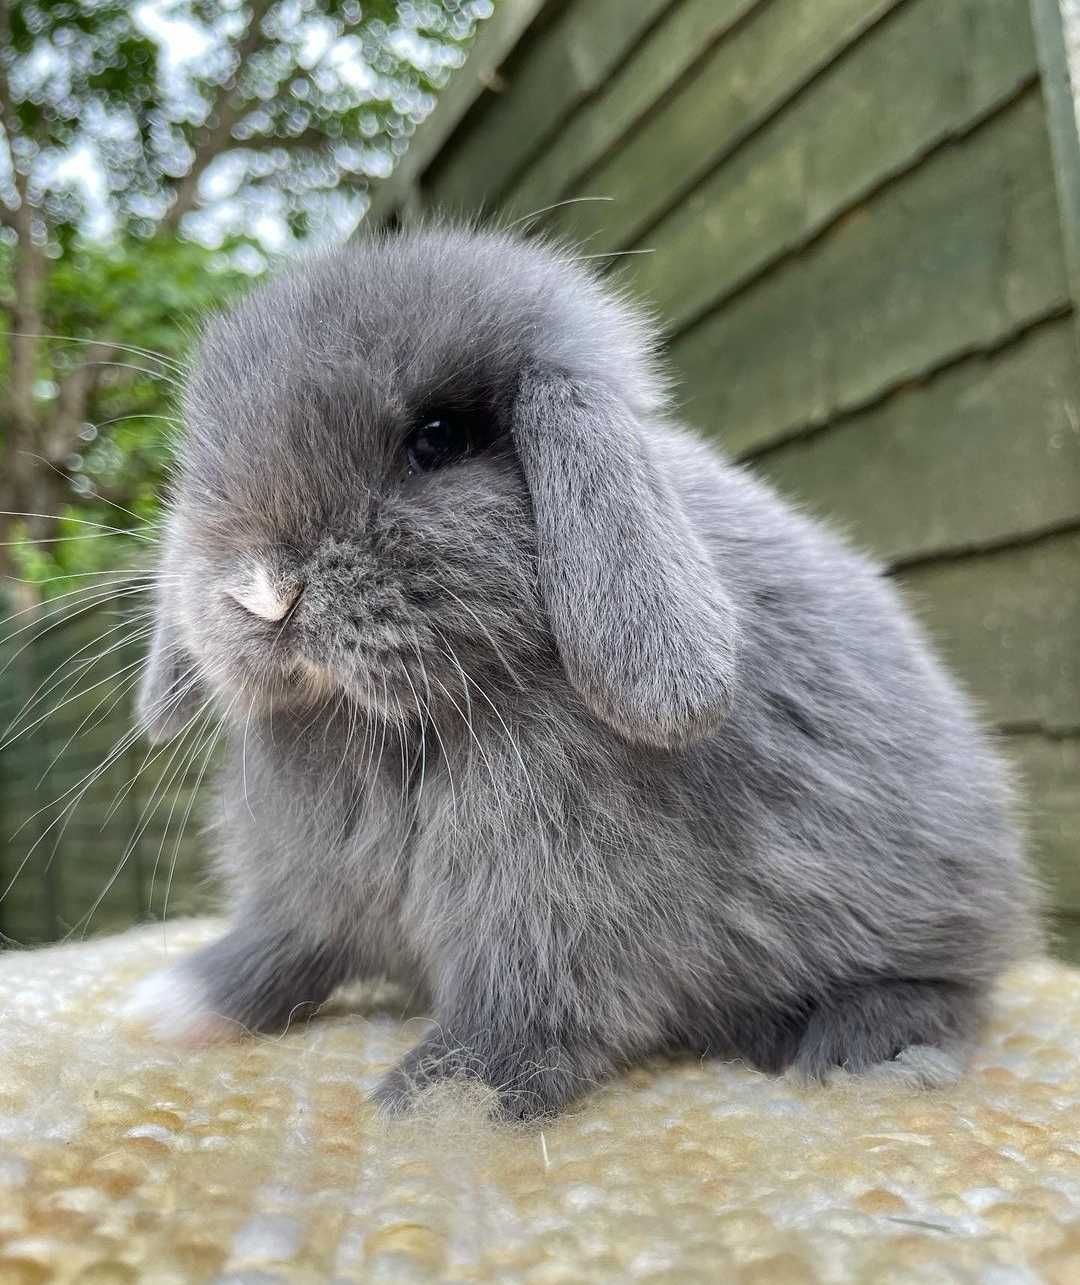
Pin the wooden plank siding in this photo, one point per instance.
(976, 231)
(573, 56)
(857, 221)
(805, 170)
(1008, 622)
(97, 833)
(867, 471)
(691, 30)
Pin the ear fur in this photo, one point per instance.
(169, 691)
(646, 630)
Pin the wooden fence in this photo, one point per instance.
(863, 221)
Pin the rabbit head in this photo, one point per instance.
(436, 451)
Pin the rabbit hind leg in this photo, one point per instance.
(915, 1032)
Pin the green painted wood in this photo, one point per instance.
(7, 712)
(690, 28)
(729, 94)
(1048, 771)
(955, 257)
(1009, 625)
(987, 450)
(54, 895)
(21, 913)
(566, 63)
(1063, 933)
(791, 180)
(1062, 126)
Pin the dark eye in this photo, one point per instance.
(437, 442)
(446, 437)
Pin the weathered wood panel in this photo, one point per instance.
(986, 450)
(691, 27)
(1008, 623)
(958, 255)
(788, 182)
(1048, 769)
(568, 61)
(744, 81)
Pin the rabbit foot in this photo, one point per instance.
(248, 981)
(529, 1083)
(173, 1007)
(917, 1033)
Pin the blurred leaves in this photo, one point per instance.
(144, 301)
(276, 107)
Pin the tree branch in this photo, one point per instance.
(216, 134)
(8, 121)
(309, 138)
(29, 271)
(6, 112)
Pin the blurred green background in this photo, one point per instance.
(858, 221)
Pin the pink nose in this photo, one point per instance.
(257, 593)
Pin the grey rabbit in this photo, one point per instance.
(540, 705)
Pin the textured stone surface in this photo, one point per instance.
(260, 1162)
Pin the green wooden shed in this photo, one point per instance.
(860, 223)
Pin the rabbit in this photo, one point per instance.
(538, 704)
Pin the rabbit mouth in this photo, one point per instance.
(378, 681)
(316, 681)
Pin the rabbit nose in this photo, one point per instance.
(257, 594)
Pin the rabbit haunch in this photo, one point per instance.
(540, 705)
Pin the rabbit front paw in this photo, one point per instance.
(174, 1007)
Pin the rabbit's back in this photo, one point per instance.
(874, 814)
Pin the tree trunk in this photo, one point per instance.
(21, 436)
(216, 134)
(17, 465)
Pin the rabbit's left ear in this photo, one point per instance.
(645, 628)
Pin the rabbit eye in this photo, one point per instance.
(441, 440)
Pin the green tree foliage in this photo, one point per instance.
(104, 407)
(153, 157)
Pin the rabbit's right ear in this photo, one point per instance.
(170, 690)
(645, 627)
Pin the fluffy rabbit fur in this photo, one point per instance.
(571, 724)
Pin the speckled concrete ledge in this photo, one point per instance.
(262, 1162)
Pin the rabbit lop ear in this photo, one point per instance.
(646, 631)
(169, 690)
